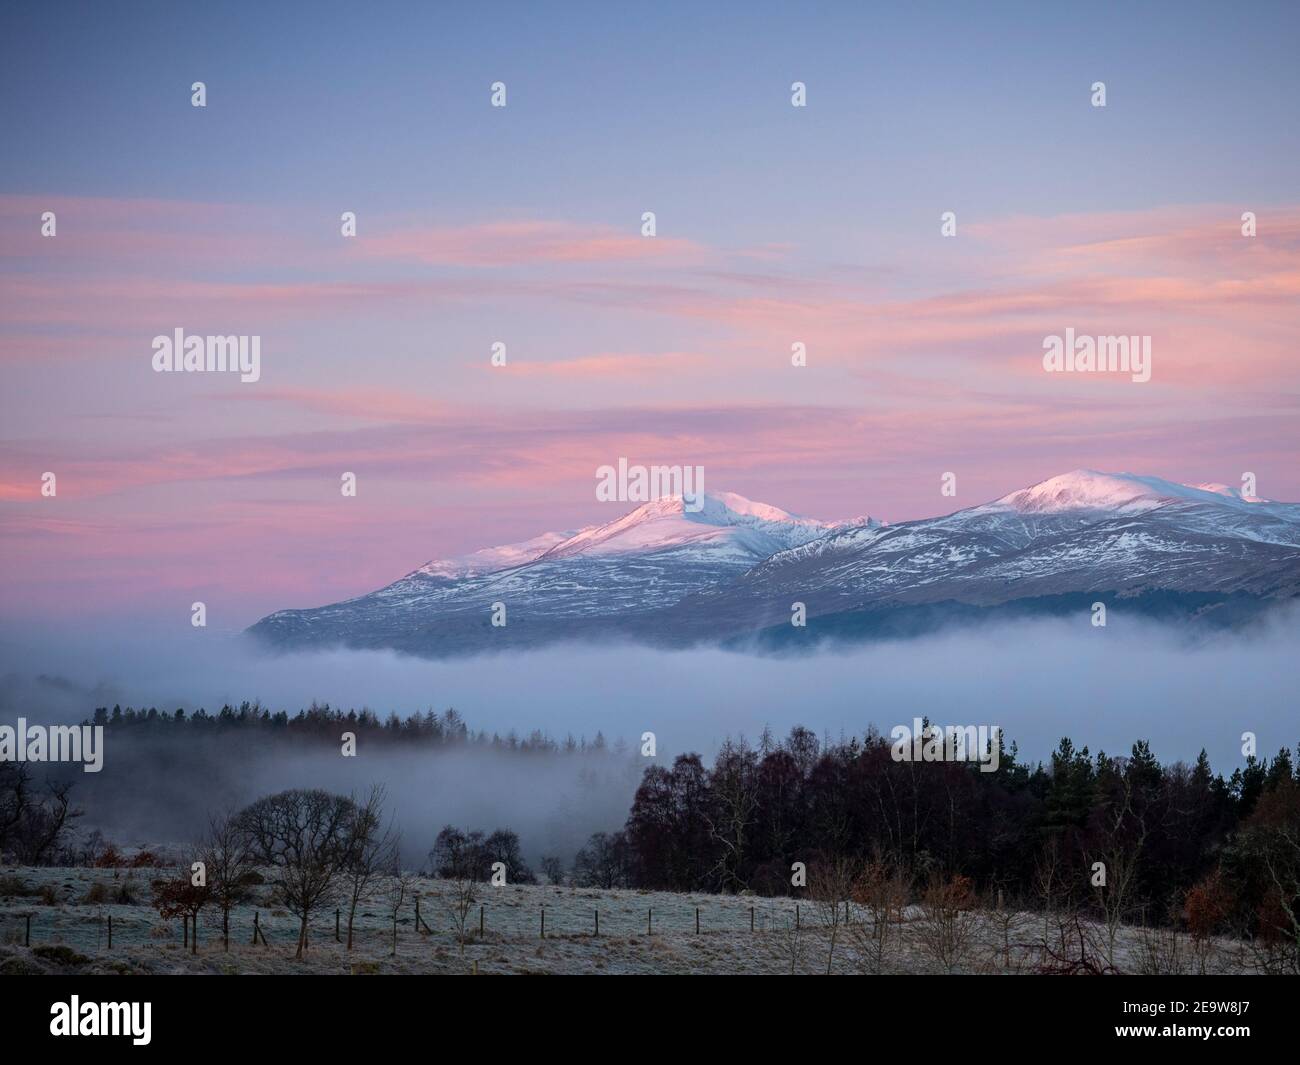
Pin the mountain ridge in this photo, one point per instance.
(664, 573)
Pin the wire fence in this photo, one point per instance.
(117, 927)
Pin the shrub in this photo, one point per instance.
(13, 886)
(59, 954)
(17, 965)
(96, 895)
(948, 920)
(1208, 906)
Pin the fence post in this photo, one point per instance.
(543, 922)
(185, 925)
(597, 913)
(846, 911)
(751, 918)
(649, 916)
(796, 917)
(697, 920)
(1006, 942)
(338, 914)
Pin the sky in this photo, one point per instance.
(522, 225)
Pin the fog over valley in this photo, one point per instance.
(1103, 687)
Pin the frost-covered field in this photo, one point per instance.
(69, 911)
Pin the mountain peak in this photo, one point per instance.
(1085, 489)
(715, 520)
(716, 508)
(660, 523)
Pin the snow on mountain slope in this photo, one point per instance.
(664, 573)
(492, 559)
(1118, 493)
(645, 560)
(725, 522)
(1082, 532)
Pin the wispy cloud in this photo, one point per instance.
(494, 244)
(659, 350)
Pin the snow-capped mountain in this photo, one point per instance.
(559, 585)
(1155, 546)
(666, 575)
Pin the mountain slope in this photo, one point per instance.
(593, 583)
(665, 575)
(1082, 535)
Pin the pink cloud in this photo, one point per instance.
(104, 234)
(610, 365)
(363, 403)
(260, 521)
(524, 243)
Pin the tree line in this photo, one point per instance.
(325, 723)
(1115, 838)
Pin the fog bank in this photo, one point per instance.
(1103, 687)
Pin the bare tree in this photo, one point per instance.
(1282, 862)
(830, 885)
(227, 855)
(734, 790)
(1160, 950)
(553, 869)
(1005, 922)
(1057, 893)
(880, 891)
(398, 887)
(948, 919)
(459, 900)
(789, 935)
(373, 852)
(306, 836)
(456, 858)
(604, 862)
(1071, 951)
(1122, 835)
(32, 823)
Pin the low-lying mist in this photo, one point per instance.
(159, 789)
(1104, 687)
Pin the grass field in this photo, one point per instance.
(70, 908)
